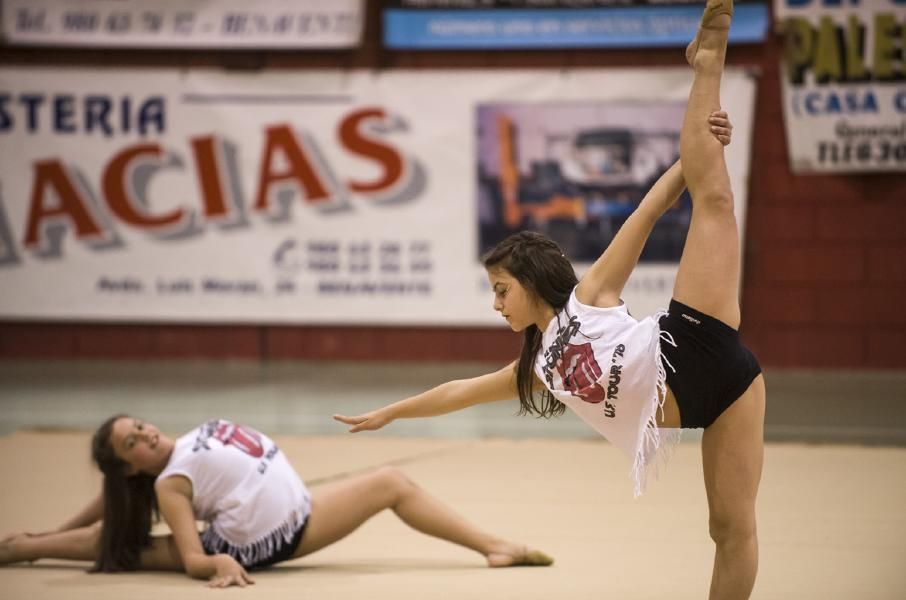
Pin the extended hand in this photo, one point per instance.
(229, 572)
(367, 422)
(721, 126)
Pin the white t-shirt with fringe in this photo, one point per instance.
(606, 367)
(243, 487)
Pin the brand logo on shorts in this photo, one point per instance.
(691, 319)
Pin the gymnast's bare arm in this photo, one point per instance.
(174, 497)
(603, 283)
(91, 514)
(445, 398)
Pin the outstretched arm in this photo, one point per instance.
(445, 398)
(603, 283)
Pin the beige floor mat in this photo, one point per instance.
(832, 523)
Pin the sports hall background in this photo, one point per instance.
(824, 277)
(824, 267)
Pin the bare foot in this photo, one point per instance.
(716, 18)
(513, 555)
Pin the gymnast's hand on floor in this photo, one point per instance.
(229, 572)
(721, 126)
(367, 422)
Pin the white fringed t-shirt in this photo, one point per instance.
(606, 367)
(243, 487)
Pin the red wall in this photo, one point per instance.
(825, 256)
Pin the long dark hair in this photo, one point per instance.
(130, 507)
(540, 267)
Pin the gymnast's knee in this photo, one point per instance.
(717, 199)
(394, 480)
(728, 528)
(93, 532)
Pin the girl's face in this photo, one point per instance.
(514, 302)
(141, 445)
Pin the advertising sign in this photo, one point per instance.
(184, 23)
(326, 196)
(844, 85)
(503, 24)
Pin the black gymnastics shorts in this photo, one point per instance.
(712, 367)
(284, 552)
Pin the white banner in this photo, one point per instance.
(326, 196)
(184, 23)
(844, 92)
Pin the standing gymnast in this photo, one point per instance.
(258, 511)
(636, 381)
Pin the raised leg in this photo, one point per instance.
(708, 275)
(732, 457)
(341, 508)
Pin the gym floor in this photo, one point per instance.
(831, 518)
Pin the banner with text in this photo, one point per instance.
(844, 85)
(502, 24)
(184, 23)
(326, 196)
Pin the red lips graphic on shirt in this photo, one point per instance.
(580, 373)
(246, 439)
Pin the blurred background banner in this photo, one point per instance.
(844, 94)
(463, 24)
(184, 23)
(326, 196)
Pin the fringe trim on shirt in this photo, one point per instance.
(259, 550)
(656, 445)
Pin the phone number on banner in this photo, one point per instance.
(877, 152)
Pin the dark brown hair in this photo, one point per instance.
(130, 507)
(540, 267)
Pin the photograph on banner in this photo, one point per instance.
(228, 24)
(502, 24)
(575, 171)
(844, 85)
(324, 196)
